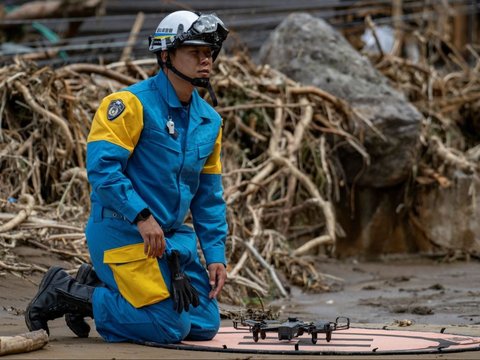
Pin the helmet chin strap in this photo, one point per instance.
(200, 82)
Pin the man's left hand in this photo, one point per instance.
(218, 275)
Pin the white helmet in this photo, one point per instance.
(188, 28)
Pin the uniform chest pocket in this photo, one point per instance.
(139, 278)
(205, 150)
(160, 138)
(205, 133)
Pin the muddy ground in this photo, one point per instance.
(432, 294)
(420, 289)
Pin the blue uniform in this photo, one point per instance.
(133, 162)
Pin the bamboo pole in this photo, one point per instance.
(397, 13)
(137, 26)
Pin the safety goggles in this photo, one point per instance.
(206, 24)
(207, 27)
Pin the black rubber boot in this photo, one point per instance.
(58, 293)
(76, 322)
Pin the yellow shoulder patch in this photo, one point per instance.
(118, 120)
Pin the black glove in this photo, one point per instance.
(184, 294)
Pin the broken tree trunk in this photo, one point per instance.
(22, 343)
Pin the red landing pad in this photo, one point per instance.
(354, 341)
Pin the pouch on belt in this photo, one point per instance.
(138, 277)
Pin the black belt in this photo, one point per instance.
(107, 213)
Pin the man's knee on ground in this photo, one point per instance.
(205, 330)
(178, 333)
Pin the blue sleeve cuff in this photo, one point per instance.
(215, 256)
(132, 207)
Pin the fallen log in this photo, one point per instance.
(22, 343)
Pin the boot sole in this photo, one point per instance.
(41, 288)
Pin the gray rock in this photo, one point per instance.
(311, 52)
(449, 217)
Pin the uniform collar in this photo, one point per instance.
(196, 106)
(168, 94)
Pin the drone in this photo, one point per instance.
(291, 328)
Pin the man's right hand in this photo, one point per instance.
(153, 237)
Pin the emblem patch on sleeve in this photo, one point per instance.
(115, 108)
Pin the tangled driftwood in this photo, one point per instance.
(279, 176)
(281, 172)
(446, 89)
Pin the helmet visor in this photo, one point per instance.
(206, 24)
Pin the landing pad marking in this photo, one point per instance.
(353, 341)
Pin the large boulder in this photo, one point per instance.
(311, 52)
